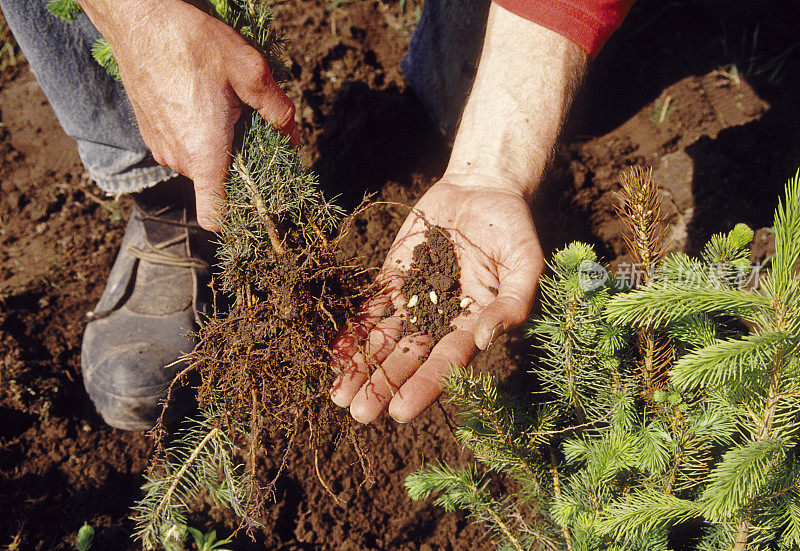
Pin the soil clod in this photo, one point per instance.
(433, 286)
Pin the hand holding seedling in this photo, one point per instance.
(187, 75)
(525, 82)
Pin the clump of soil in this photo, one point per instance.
(432, 286)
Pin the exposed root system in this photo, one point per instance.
(265, 364)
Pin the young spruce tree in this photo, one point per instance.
(605, 459)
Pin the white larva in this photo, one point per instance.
(413, 301)
(434, 298)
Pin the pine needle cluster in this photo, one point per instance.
(707, 460)
(202, 459)
(69, 10)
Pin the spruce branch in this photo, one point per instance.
(787, 237)
(500, 432)
(68, 10)
(102, 54)
(604, 458)
(465, 489)
(578, 360)
(644, 512)
(655, 446)
(666, 304)
(740, 477)
(641, 212)
(789, 504)
(732, 362)
(559, 499)
(201, 459)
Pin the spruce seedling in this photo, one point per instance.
(265, 363)
(752, 492)
(712, 450)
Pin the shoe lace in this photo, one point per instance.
(155, 254)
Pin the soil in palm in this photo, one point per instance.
(432, 286)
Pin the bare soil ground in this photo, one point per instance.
(662, 94)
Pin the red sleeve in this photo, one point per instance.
(588, 23)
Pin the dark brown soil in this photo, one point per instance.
(432, 286)
(721, 154)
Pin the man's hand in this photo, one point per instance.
(501, 261)
(187, 76)
(525, 82)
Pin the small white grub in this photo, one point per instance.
(465, 302)
(413, 320)
(440, 310)
(412, 301)
(434, 298)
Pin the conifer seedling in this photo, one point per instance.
(701, 456)
(264, 363)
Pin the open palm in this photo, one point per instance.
(501, 261)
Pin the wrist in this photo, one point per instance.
(475, 179)
(492, 175)
(117, 19)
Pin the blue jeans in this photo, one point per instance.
(93, 108)
(443, 55)
(90, 105)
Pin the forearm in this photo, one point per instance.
(526, 80)
(117, 18)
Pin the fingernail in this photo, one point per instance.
(399, 421)
(497, 330)
(396, 411)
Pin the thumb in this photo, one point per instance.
(507, 311)
(253, 83)
(209, 198)
(208, 175)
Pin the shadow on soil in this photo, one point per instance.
(374, 136)
(662, 42)
(739, 176)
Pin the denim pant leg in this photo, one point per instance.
(90, 105)
(443, 55)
